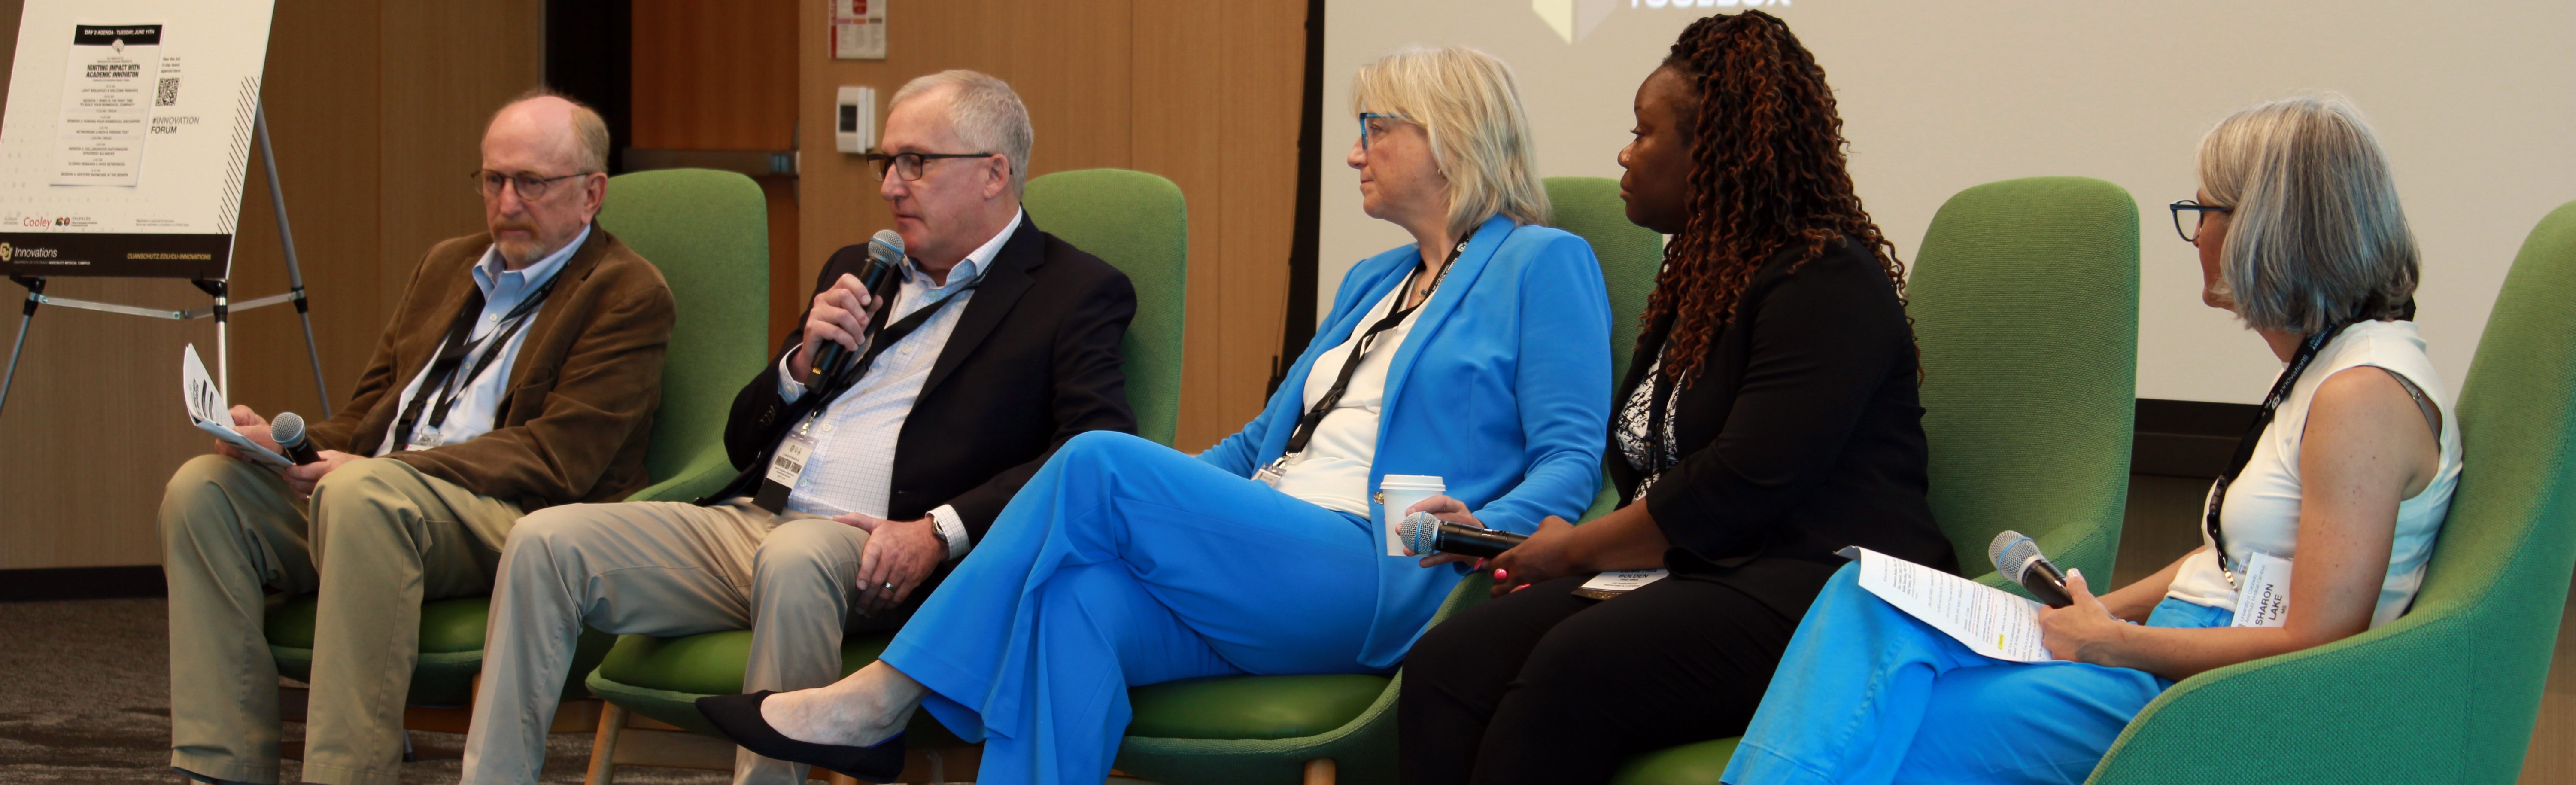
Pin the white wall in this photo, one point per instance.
(2476, 105)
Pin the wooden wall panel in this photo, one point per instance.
(714, 76)
(327, 127)
(1262, 62)
(722, 76)
(378, 108)
(447, 67)
(1205, 94)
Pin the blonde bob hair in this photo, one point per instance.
(2316, 237)
(1468, 104)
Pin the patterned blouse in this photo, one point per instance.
(1635, 418)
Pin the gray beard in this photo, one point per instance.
(516, 255)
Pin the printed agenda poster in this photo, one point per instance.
(127, 134)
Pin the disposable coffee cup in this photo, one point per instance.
(1397, 493)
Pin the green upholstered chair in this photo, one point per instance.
(1138, 223)
(1249, 730)
(1630, 257)
(2025, 305)
(708, 233)
(2448, 692)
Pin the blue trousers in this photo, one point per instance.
(1868, 695)
(1124, 563)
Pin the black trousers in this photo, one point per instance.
(1541, 686)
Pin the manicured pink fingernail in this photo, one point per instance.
(1502, 574)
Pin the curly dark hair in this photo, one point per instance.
(1771, 176)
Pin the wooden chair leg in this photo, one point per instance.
(603, 748)
(1319, 771)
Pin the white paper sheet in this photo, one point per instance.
(1991, 621)
(207, 411)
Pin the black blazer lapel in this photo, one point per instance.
(1002, 287)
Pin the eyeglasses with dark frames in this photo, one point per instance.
(489, 183)
(908, 165)
(2199, 213)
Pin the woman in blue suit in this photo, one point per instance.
(1482, 357)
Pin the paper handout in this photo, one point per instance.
(207, 411)
(1991, 621)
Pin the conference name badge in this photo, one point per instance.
(1617, 582)
(789, 464)
(2264, 599)
(1271, 475)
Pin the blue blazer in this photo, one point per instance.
(1502, 389)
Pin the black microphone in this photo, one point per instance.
(1428, 535)
(2018, 558)
(885, 252)
(288, 431)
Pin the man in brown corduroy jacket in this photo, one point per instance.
(520, 371)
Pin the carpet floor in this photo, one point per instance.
(87, 700)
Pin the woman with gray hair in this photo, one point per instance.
(1477, 355)
(2347, 471)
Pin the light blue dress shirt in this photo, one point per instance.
(478, 401)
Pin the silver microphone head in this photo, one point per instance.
(2012, 552)
(287, 429)
(886, 246)
(1419, 531)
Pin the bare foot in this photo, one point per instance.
(860, 711)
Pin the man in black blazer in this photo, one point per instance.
(875, 451)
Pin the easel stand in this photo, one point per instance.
(221, 310)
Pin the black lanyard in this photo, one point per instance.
(771, 495)
(1315, 414)
(441, 381)
(2253, 436)
(885, 337)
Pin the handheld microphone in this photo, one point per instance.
(288, 431)
(2018, 558)
(885, 252)
(1428, 535)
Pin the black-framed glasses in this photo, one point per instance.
(2199, 212)
(1367, 131)
(489, 183)
(908, 165)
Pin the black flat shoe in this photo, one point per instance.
(738, 717)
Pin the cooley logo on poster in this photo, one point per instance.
(1574, 19)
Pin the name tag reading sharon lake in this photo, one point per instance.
(2263, 593)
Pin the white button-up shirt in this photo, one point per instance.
(852, 467)
(477, 403)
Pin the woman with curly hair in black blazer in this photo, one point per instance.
(1769, 418)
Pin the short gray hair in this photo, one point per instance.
(986, 113)
(1469, 105)
(2316, 237)
(589, 132)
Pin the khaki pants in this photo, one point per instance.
(663, 569)
(377, 538)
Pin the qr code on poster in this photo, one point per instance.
(169, 93)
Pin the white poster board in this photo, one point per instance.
(126, 135)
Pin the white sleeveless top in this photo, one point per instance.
(2262, 512)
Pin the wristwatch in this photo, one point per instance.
(939, 534)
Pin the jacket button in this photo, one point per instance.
(1380, 497)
